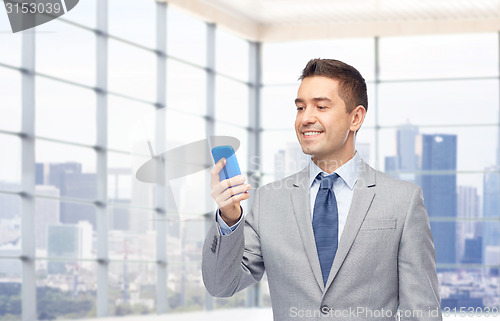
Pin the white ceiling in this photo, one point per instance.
(285, 20)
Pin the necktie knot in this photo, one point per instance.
(326, 182)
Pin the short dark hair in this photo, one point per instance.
(352, 86)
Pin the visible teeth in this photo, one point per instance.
(311, 133)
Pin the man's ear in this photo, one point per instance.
(357, 118)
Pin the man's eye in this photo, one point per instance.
(300, 108)
(321, 107)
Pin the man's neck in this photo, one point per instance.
(330, 164)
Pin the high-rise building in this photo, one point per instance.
(491, 208)
(68, 242)
(439, 153)
(406, 145)
(407, 155)
(71, 182)
(469, 228)
(47, 212)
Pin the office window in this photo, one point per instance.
(66, 289)
(131, 288)
(281, 153)
(85, 15)
(10, 227)
(186, 88)
(60, 115)
(186, 37)
(278, 106)
(10, 163)
(458, 147)
(131, 71)
(454, 102)
(462, 55)
(125, 119)
(134, 21)
(10, 91)
(282, 63)
(231, 55)
(231, 101)
(64, 229)
(66, 51)
(10, 289)
(70, 169)
(12, 41)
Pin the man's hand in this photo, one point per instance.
(226, 197)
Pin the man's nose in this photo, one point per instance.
(308, 116)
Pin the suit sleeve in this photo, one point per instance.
(418, 284)
(230, 263)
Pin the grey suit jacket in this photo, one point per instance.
(385, 258)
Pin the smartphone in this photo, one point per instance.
(231, 168)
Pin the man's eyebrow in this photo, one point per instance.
(322, 99)
(300, 100)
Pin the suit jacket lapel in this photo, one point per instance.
(364, 192)
(301, 208)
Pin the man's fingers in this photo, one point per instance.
(220, 187)
(233, 199)
(216, 170)
(228, 193)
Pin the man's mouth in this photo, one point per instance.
(312, 133)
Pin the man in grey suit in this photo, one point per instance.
(367, 254)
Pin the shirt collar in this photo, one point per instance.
(348, 172)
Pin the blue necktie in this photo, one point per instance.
(326, 223)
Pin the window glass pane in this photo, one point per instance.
(66, 289)
(183, 129)
(186, 88)
(10, 226)
(184, 269)
(132, 71)
(365, 145)
(123, 115)
(131, 288)
(278, 109)
(437, 148)
(11, 289)
(132, 234)
(284, 62)
(186, 37)
(231, 101)
(12, 41)
(120, 177)
(10, 91)
(281, 153)
(66, 51)
(184, 188)
(468, 289)
(439, 102)
(134, 21)
(231, 55)
(465, 55)
(85, 14)
(10, 163)
(68, 168)
(64, 229)
(65, 112)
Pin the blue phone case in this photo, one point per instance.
(231, 168)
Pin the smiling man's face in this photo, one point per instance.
(322, 124)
